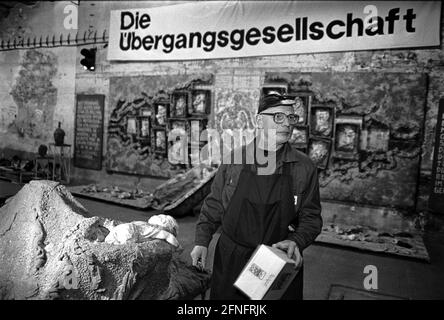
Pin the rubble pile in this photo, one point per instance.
(181, 184)
(52, 248)
(118, 192)
(396, 241)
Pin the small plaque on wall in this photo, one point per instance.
(88, 137)
(436, 199)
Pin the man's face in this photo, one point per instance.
(284, 129)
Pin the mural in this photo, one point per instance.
(235, 112)
(144, 110)
(235, 109)
(365, 133)
(35, 95)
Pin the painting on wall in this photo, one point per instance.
(160, 145)
(179, 127)
(145, 127)
(142, 119)
(319, 151)
(131, 126)
(301, 107)
(347, 137)
(321, 121)
(179, 104)
(235, 111)
(375, 138)
(200, 103)
(161, 111)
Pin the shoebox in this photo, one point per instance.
(267, 274)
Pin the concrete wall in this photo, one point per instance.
(232, 76)
(36, 86)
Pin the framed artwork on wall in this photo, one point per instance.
(145, 127)
(178, 151)
(347, 137)
(321, 121)
(160, 141)
(319, 151)
(178, 127)
(131, 126)
(179, 103)
(161, 113)
(200, 103)
(301, 107)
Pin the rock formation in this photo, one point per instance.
(52, 248)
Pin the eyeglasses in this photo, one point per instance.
(279, 117)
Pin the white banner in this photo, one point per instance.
(228, 29)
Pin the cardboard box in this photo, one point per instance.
(267, 274)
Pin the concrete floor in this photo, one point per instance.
(328, 265)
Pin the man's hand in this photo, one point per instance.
(292, 251)
(199, 256)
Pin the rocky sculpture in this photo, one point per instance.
(52, 248)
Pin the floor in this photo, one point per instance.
(331, 265)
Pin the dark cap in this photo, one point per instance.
(274, 100)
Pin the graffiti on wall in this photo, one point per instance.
(235, 110)
(144, 110)
(364, 131)
(35, 96)
(7, 117)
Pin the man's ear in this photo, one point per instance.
(259, 121)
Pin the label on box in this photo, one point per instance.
(267, 274)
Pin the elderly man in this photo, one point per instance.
(280, 208)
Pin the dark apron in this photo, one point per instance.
(260, 211)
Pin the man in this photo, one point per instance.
(281, 208)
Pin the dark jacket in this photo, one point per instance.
(308, 220)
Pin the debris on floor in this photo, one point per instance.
(367, 238)
(192, 185)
